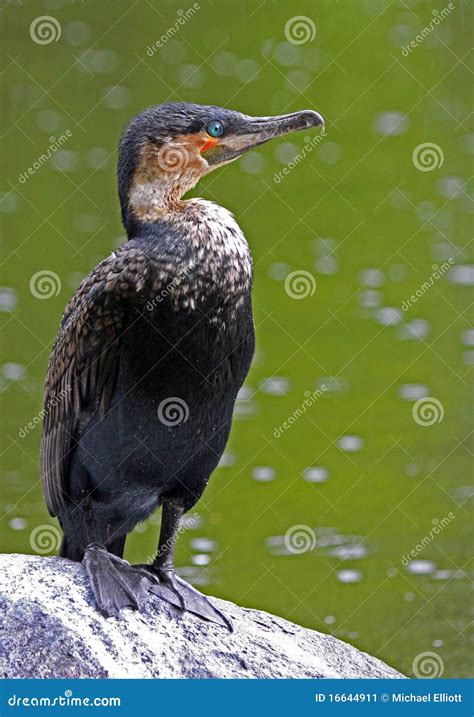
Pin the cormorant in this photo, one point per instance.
(153, 347)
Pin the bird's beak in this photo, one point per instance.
(253, 131)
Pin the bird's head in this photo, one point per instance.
(166, 149)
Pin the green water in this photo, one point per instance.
(357, 215)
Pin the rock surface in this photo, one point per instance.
(49, 627)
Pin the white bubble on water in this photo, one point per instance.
(391, 124)
(413, 391)
(350, 552)
(462, 274)
(389, 315)
(349, 576)
(246, 70)
(467, 337)
(371, 277)
(350, 444)
(468, 357)
(329, 152)
(76, 32)
(285, 152)
(97, 157)
(275, 385)
(174, 52)
(421, 567)
(327, 265)
(287, 54)
(48, 120)
(17, 523)
(227, 459)
(370, 299)
(65, 160)
(13, 371)
(224, 63)
(451, 187)
(252, 163)
(9, 202)
(278, 270)
(8, 299)
(263, 474)
(417, 329)
(316, 474)
(204, 545)
(116, 97)
(200, 559)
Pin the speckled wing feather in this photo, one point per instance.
(84, 361)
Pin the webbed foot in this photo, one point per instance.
(115, 583)
(179, 593)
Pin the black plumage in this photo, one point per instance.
(152, 350)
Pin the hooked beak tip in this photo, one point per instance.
(315, 119)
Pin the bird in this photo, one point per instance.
(151, 352)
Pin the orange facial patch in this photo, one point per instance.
(209, 144)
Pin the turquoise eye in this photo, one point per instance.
(215, 128)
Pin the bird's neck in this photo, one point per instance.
(153, 198)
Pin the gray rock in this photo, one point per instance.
(49, 627)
